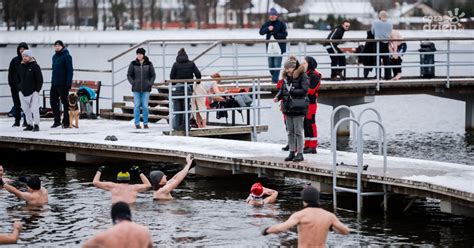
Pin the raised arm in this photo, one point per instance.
(15, 191)
(282, 227)
(272, 195)
(13, 237)
(146, 185)
(178, 178)
(98, 183)
(339, 227)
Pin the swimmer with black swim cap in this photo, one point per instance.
(163, 187)
(124, 233)
(313, 222)
(35, 195)
(257, 193)
(122, 190)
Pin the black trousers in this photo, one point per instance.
(58, 94)
(16, 104)
(336, 61)
(385, 61)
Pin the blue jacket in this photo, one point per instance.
(62, 69)
(279, 32)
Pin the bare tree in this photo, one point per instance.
(118, 8)
(6, 12)
(152, 13)
(240, 6)
(95, 14)
(141, 13)
(132, 10)
(76, 14)
(291, 6)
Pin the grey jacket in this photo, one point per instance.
(141, 76)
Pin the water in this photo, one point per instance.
(207, 211)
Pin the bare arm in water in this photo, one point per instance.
(102, 185)
(146, 185)
(16, 192)
(272, 195)
(282, 227)
(178, 178)
(338, 226)
(13, 237)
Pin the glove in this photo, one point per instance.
(101, 168)
(264, 232)
(193, 164)
(136, 169)
(1, 182)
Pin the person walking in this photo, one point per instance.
(14, 84)
(183, 68)
(382, 29)
(310, 128)
(274, 29)
(31, 82)
(141, 75)
(294, 105)
(61, 81)
(333, 48)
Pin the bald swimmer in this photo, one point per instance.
(313, 222)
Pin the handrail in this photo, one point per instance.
(76, 70)
(207, 50)
(171, 81)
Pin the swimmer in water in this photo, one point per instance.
(257, 192)
(35, 195)
(2, 175)
(313, 222)
(11, 238)
(164, 187)
(124, 233)
(122, 190)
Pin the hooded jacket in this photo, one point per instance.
(14, 66)
(279, 32)
(314, 78)
(62, 69)
(141, 76)
(30, 77)
(293, 87)
(183, 68)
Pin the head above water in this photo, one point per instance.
(33, 183)
(120, 211)
(256, 190)
(123, 177)
(157, 178)
(310, 197)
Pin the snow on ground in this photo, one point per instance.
(132, 37)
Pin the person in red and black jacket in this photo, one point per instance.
(310, 128)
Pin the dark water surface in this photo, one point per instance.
(207, 211)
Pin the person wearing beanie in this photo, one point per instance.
(123, 190)
(294, 104)
(163, 187)
(313, 222)
(36, 195)
(333, 48)
(257, 192)
(13, 82)
(124, 233)
(31, 81)
(274, 29)
(141, 75)
(183, 68)
(310, 128)
(61, 81)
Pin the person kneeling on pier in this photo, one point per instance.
(124, 233)
(257, 192)
(11, 238)
(163, 187)
(35, 196)
(313, 222)
(122, 190)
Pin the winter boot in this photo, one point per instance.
(145, 126)
(16, 124)
(36, 128)
(138, 127)
(286, 148)
(310, 150)
(55, 125)
(298, 158)
(290, 157)
(28, 128)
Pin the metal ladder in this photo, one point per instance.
(359, 141)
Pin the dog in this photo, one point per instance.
(73, 109)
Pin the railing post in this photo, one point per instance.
(113, 86)
(186, 109)
(258, 100)
(254, 122)
(234, 61)
(378, 70)
(170, 107)
(163, 61)
(448, 71)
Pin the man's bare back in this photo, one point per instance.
(124, 192)
(37, 197)
(124, 234)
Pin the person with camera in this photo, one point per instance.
(294, 105)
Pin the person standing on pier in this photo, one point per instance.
(274, 29)
(257, 192)
(11, 238)
(164, 187)
(397, 49)
(294, 102)
(141, 75)
(310, 128)
(382, 29)
(31, 82)
(333, 48)
(35, 196)
(122, 191)
(14, 83)
(124, 233)
(61, 81)
(314, 223)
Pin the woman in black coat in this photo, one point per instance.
(294, 105)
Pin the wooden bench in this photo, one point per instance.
(76, 84)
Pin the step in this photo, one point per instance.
(151, 103)
(126, 116)
(158, 110)
(159, 96)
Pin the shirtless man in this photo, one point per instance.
(163, 187)
(256, 195)
(2, 171)
(124, 233)
(13, 237)
(122, 191)
(313, 222)
(35, 196)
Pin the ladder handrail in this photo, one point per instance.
(379, 117)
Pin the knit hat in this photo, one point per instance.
(28, 53)
(182, 51)
(59, 42)
(273, 12)
(291, 62)
(141, 51)
(155, 177)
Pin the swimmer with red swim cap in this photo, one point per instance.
(257, 193)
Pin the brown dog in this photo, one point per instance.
(73, 109)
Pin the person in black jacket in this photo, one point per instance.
(61, 81)
(332, 48)
(141, 75)
(14, 84)
(368, 60)
(274, 29)
(31, 81)
(294, 101)
(183, 68)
